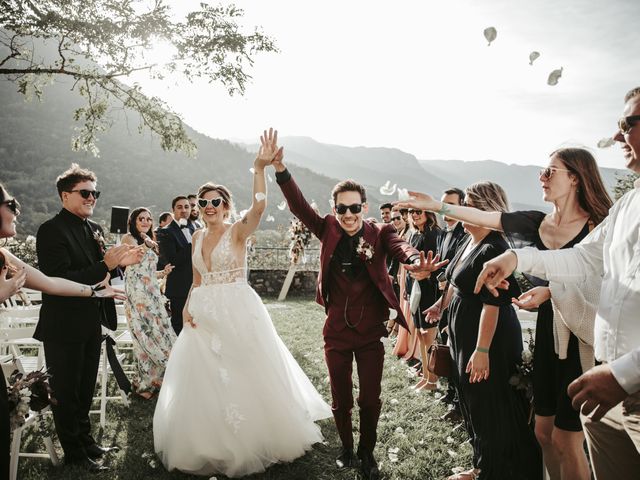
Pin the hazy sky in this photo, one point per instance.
(418, 75)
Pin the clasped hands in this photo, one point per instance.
(123, 255)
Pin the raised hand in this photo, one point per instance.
(422, 268)
(419, 201)
(268, 149)
(532, 298)
(496, 271)
(9, 287)
(104, 290)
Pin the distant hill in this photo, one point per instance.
(132, 169)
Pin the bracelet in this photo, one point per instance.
(482, 350)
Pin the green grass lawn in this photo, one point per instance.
(413, 443)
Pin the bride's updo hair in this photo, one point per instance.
(222, 191)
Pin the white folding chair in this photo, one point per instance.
(19, 342)
(10, 364)
(103, 379)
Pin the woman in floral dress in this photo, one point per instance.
(148, 320)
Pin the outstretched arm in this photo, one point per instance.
(268, 152)
(472, 215)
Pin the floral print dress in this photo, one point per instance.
(149, 323)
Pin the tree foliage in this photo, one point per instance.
(99, 42)
(624, 184)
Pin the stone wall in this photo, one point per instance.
(267, 283)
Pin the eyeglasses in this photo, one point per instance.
(625, 124)
(215, 202)
(415, 212)
(342, 209)
(12, 205)
(85, 193)
(394, 219)
(548, 172)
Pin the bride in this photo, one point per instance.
(233, 400)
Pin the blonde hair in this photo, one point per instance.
(487, 196)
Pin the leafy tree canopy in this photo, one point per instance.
(98, 42)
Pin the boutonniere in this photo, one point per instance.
(97, 236)
(365, 251)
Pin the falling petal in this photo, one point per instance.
(399, 430)
(554, 77)
(533, 56)
(403, 194)
(282, 205)
(387, 189)
(270, 218)
(606, 143)
(490, 34)
(393, 314)
(260, 196)
(394, 449)
(243, 213)
(452, 453)
(252, 170)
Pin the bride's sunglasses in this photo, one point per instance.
(342, 209)
(215, 202)
(12, 205)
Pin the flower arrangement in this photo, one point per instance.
(102, 244)
(365, 251)
(28, 392)
(300, 237)
(523, 378)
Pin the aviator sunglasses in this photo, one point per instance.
(12, 205)
(86, 193)
(215, 202)
(342, 209)
(548, 172)
(625, 124)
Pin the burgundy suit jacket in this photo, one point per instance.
(382, 237)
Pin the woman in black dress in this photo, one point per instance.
(486, 343)
(424, 239)
(572, 183)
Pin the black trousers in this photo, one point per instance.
(73, 368)
(177, 305)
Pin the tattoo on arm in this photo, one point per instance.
(244, 220)
(446, 208)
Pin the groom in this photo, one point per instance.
(356, 292)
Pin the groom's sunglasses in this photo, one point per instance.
(86, 193)
(215, 202)
(342, 209)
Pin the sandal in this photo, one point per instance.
(471, 474)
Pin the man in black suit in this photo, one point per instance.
(71, 246)
(175, 248)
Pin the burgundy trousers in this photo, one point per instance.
(340, 349)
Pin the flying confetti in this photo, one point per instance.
(386, 189)
(606, 143)
(555, 76)
(252, 170)
(270, 218)
(403, 194)
(243, 213)
(533, 56)
(490, 34)
(282, 205)
(260, 196)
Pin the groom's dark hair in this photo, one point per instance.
(348, 186)
(73, 176)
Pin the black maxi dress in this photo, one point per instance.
(551, 376)
(496, 413)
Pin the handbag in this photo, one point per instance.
(439, 361)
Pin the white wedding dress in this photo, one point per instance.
(233, 400)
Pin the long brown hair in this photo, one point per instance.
(592, 194)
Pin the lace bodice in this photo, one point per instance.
(227, 266)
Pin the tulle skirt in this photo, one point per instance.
(233, 400)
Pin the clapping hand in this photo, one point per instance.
(422, 268)
(123, 255)
(9, 287)
(105, 290)
(419, 201)
(269, 150)
(496, 271)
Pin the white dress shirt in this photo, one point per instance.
(610, 251)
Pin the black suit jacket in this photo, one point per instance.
(65, 251)
(175, 249)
